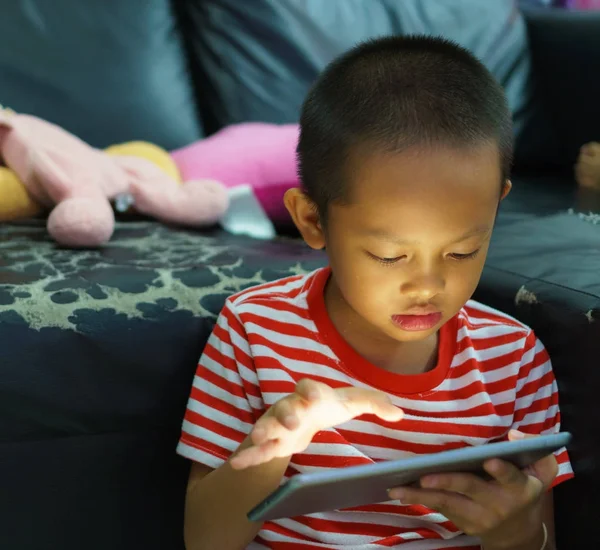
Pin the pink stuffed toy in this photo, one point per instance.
(78, 182)
(259, 154)
(583, 4)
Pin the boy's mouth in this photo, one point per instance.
(414, 322)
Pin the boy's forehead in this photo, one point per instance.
(455, 174)
(417, 194)
(378, 232)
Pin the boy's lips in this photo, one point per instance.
(426, 309)
(418, 319)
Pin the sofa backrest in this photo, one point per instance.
(170, 71)
(257, 63)
(107, 70)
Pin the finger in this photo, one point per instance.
(505, 473)
(254, 455)
(469, 485)
(386, 410)
(362, 401)
(590, 148)
(311, 390)
(545, 469)
(516, 435)
(267, 428)
(287, 413)
(589, 182)
(469, 516)
(585, 164)
(589, 163)
(445, 502)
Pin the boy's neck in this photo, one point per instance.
(405, 358)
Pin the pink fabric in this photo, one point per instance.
(33, 148)
(255, 153)
(77, 182)
(584, 4)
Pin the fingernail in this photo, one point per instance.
(430, 482)
(397, 494)
(290, 421)
(516, 434)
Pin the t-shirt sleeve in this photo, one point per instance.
(225, 399)
(537, 409)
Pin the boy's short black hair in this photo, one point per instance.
(393, 93)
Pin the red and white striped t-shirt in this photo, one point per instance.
(492, 375)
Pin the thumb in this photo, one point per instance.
(516, 435)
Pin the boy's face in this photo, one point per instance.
(408, 249)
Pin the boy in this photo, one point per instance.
(404, 154)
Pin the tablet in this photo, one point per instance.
(339, 488)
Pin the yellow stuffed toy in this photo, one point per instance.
(148, 151)
(15, 201)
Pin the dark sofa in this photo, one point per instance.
(98, 348)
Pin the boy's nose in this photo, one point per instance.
(423, 288)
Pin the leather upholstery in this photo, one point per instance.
(275, 50)
(98, 348)
(108, 71)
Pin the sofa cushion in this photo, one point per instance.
(259, 58)
(107, 70)
(544, 271)
(122, 490)
(103, 340)
(99, 349)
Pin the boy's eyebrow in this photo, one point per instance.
(389, 237)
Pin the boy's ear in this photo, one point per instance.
(306, 217)
(506, 189)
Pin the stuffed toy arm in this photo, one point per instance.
(193, 203)
(83, 216)
(257, 154)
(155, 189)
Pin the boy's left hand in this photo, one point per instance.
(502, 512)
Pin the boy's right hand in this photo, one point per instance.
(289, 425)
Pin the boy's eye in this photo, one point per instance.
(386, 261)
(464, 256)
